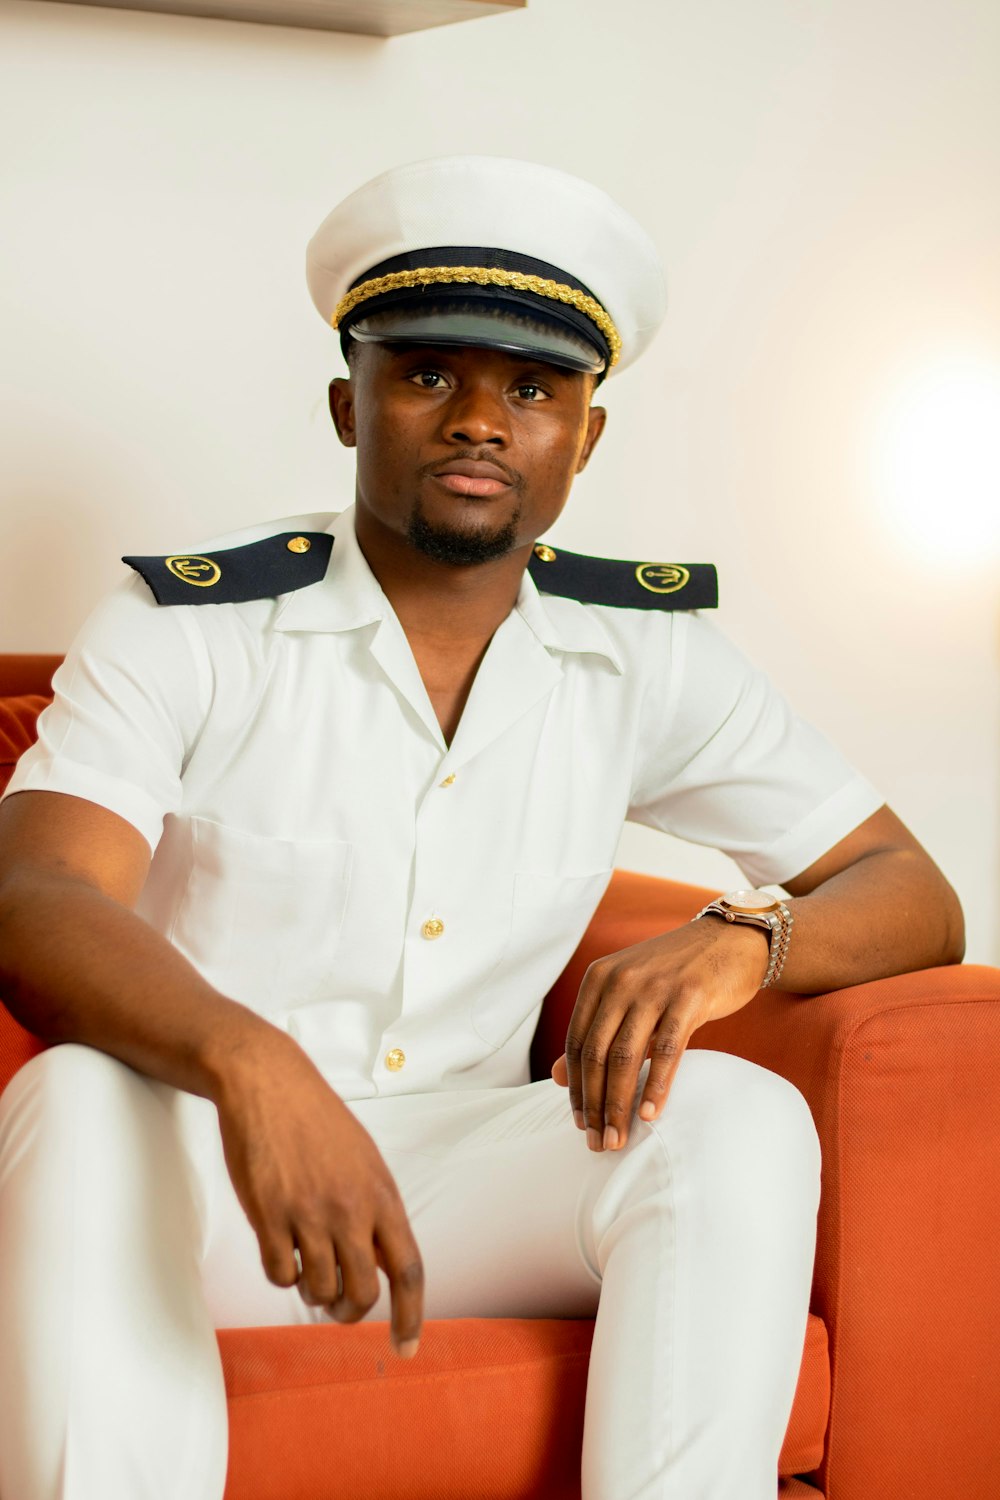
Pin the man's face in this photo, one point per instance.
(466, 452)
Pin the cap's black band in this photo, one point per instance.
(487, 259)
(472, 255)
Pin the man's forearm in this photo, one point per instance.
(77, 966)
(889, 913)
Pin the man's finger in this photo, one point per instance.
(400, 1259)
(278, 1254)
(318, 1282)
(626, 1055)
(594, 1061)
(357, 1275)
(587, 1002)
(665, 1050)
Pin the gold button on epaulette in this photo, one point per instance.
(544, 554)
(299, 544)
(395, 1059)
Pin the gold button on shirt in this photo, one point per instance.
(432, 928)
(395, 1059)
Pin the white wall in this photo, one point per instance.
(821, 179)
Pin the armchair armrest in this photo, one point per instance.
(903, 1079)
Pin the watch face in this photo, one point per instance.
(750, 901)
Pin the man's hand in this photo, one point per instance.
(873, 905)
(646, 1001)
(311, 1179)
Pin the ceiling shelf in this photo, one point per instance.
(363, 17)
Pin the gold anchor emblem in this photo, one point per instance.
(202, 572)
(662, 578)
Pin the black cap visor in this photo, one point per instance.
(492, 321)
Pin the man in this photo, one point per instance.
(319, 813)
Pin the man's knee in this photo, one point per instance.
(65, 1077)
(76, 1096)
(745, 1115)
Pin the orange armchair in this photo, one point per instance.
(899, 1390)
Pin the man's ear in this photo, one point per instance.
(596, 418)
(342, 410)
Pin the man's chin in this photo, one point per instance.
(460, 548)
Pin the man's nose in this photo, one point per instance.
(478, 414)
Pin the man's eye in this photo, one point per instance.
(427, 379)
(532, 393)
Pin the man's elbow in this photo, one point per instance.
(933, 929)
(953, 939)
(955, 951)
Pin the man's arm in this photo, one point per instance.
(874, 905)
(77, 964)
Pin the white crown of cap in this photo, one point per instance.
(498, 203)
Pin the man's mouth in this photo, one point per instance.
(469, 477)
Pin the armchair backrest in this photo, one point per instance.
(21, 674)
(25, 689)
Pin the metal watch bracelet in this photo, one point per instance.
(779, 940)
(781, 937)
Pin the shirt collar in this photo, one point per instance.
(346, 597)
(350, 595)
(564, 624)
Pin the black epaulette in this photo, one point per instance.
(260, 570)
(629, 585)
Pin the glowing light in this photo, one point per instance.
(936, 458)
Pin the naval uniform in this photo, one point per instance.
(401, 907)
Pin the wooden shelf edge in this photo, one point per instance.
(382, 18)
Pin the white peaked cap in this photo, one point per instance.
(497, 204)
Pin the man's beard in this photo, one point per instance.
(461, 548)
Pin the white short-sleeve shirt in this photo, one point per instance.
(312, 831)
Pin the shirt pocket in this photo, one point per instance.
(549, 913)
(260, 917)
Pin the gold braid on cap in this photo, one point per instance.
(519, 281)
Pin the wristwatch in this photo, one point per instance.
(757, 909)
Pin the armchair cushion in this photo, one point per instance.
(494, 1409)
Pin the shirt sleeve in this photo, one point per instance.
(725, 762)
(129, 701)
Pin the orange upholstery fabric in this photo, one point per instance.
(899, 1385)
(21, 674)
(493, 1407)
(17, 729)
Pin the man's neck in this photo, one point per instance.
(444, 604)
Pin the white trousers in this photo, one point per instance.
(123, 1247)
